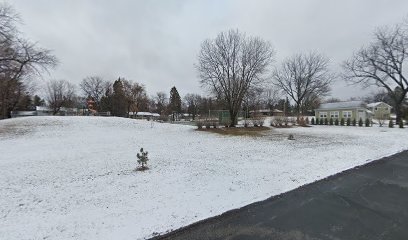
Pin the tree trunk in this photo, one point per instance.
(398, 112)
(233, 118)
(298, 112)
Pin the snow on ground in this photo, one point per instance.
(73, 178)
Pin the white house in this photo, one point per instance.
(380, 110)
(337, 110)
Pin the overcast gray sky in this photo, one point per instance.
(156, 42)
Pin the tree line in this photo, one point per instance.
(237, 69)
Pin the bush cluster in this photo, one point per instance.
(257, 121)
(207, 123)
(279, 121)
(341, 122)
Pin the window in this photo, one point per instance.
(334, 114)
(323, 114)
(347, 114)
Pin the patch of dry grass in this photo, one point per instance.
(237, 131)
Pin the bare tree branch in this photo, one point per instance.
(382, 63)
(231, 64)
(304, 78)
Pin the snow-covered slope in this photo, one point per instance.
(73, 178)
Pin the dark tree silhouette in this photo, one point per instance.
(382, 63)
(304, 78)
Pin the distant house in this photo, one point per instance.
(380, 110)
(338, 110)
(43, 111)
(46, 111)
(145, 115)
(266, 112)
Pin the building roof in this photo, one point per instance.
(143, 114)
(266, 111)
(376, 104)
(42, 108)
(147, 114)
(341, 105)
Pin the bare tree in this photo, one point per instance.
(192, 102)
(304, 77)
(161, 101)
(60, 93)
(19, 59)
(271, 97)
(381, 63)
(253, 100)
(93, 87)
(231, 64)
(135, 95)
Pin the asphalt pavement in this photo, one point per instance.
(368, 202)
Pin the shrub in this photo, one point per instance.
(313, 121)
(391, 124)
(258, 121)
(277, 121)
(348, 122)
(342, 121)
(291, 137)
(331, 121)
(354, 122)
(321, 121)
(401, 123)
(142, 159)
(317, 121)
(326, 121)
(360, 122)
(302, 122)
(336, 122)
(307, 121)
(367, 122)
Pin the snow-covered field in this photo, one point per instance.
(74, 178)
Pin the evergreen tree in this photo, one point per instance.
(348, 122)
(37, 101)
(331, 121)
(118, 99)
(336, 122)
(175, 101)
(313, 121)
(326, 122)
(321, 121)
(367, 122)
(25, 103)
(106, 101)
(391, 124)
(360, 122)
(401, 123)
(142, 159)
(354, 122)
